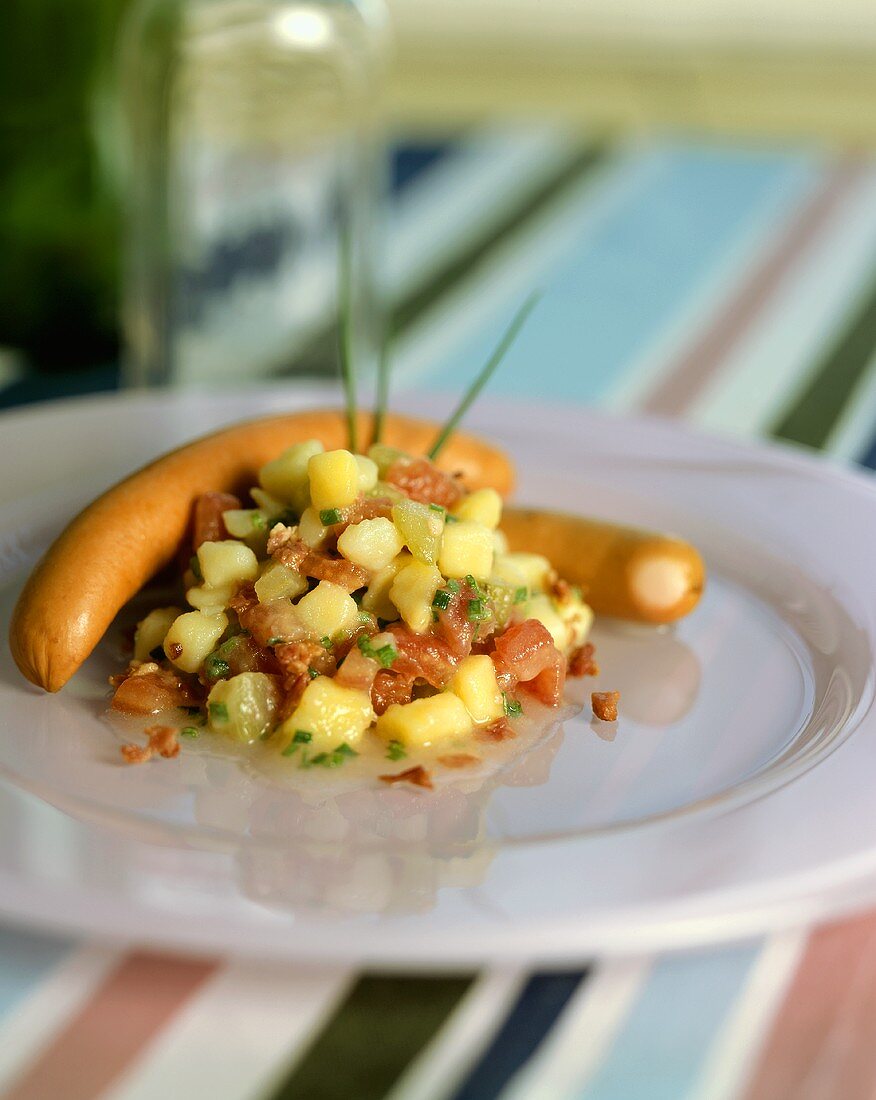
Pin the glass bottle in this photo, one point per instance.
(254, 179)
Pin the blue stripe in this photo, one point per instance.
(630, 272)
(412, 159)
(538, 1008)
(25, 959)
(660, 1050)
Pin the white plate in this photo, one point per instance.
(735, 793)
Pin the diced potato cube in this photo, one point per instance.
(482, 506)
(373, 543)
(311, 528)
(268, 504)
(412, 593)
(331, 714)
(420, 526)
(286, 477)
(376, 598)
(384, 456)
(244, 706)
(545, 610)
(507, 571)
(476, 685)
(279, 581)
(334, 479)
(578, 616)
(425, 722)
(500, 543)
(328, 610)
(367, 473)
(152, 630)
(228, 563)
(192, 638)
(210, 600)
(466, 548)
(244, 523)
(535, 569)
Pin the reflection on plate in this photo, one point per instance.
(687, 818)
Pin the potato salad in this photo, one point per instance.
(360, 603)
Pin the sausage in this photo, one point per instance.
(112, 548)
(624, 572)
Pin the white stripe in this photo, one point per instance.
(238, 1036)
(437, 1072)
(732, 1055)
(702, 305)
(462, 196)
(43, 1013)
(771, 364)
(521, 261)
(575, 1048)
(853, 431)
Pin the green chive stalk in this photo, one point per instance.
(484, 375)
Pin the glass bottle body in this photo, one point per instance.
(254, 163)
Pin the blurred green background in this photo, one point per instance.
(59, 218)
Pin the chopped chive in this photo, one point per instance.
(328, 516)
(326, 642)
(513, 709)
(483, 375)
(521, 594)
(215, 668)
(302, 737)
(382, 402)
(189, 731)
(311, 672)
(290, 749)
(395, 750)
(450, 518)
(454, 586)
(477, 611)
(276, 640)
(386, 655)
(195, 567)
(258, 521)
(437, 507)
(345, 330)
(473, 584)
(219, 711)
(442, 599)
(345, 750)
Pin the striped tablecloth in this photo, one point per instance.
(734, 287)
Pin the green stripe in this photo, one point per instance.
(320, 356)
(832, 383)
(375, 1034)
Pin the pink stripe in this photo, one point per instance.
(821, 1044)
(688, 377)
(123, 1015)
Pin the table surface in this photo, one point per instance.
(733, 286)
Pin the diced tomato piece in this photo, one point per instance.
(524, 649)
(421, 480)
(366, 508)
(153, 691)
(549, 684)
(207, 522)
(357, 671)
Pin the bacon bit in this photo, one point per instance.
(422, 656)
(174, 651)
(136, 754)
(163, 740)
(560, 590)
(285, 546)
(582, 662)
(458, 760)
(550, 683)
(244, 598)
(243, 654)
(207, 522)
(388, 688)
(366, 508)
(337, 570)
(295, 658)
(526, 653)
(454, 626)
(148, 689)
(498, 731)
(604, 705)
(421, 480)
(418, 776)
(272, 620)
